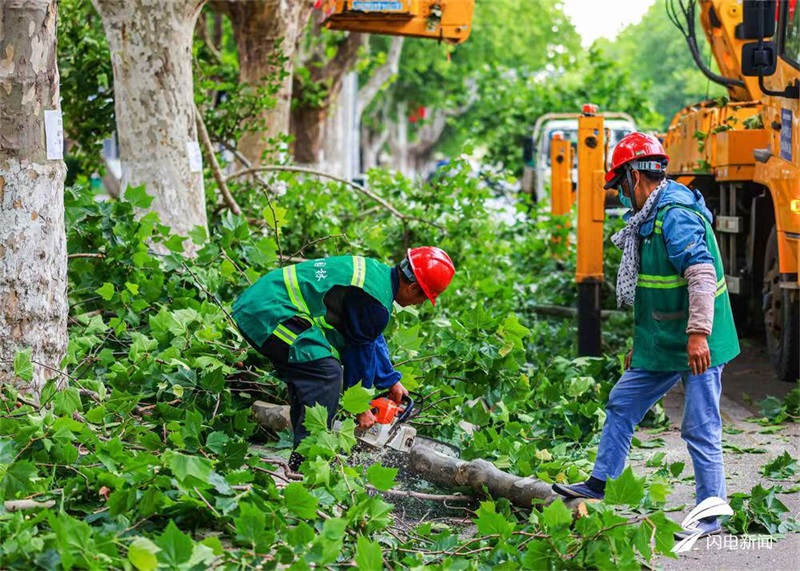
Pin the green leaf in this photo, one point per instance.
(319, 472)
(213, 542)
(512, 330)
(183, 466)
(175, 243)
(316, 419)
(656, 459)
(250, 525)
(198, 235)
(665, 533)
(556, 516)
(74, 539)
(380, 477)
(142, 554)
(216, 441)
(23, 368)
(782, 468)
(106, 291)
(538, 554)
(642, 539)
(368, 555)
(333, 529)
(278, 216)
(356, 399)
(137, 196)
(67, 401)
(191, 428)
(17, 479)
(580, 386)
(7, 451)
(301, 534)
(408, 338)
(176, 546)
(676, 468)
(659, 490)
(626, 490)
(299, 501)
(490, 522)
(770, 407)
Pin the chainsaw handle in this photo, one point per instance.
(409, 406)
(409, 402)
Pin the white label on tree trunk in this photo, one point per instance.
(54, 134)
(195, 157)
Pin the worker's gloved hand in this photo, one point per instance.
(397, 391)
(698, 353)
(365, 420)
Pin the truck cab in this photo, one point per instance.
(537, 169)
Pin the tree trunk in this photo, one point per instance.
(151, 53)
(262, 28)
(308, 116)
(437, 468)
(380, 76)
(33, 249)
(373, 140)
(477, 475)
(340, 140)
(273, 417)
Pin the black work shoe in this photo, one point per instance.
(577, 491)
(295, 460)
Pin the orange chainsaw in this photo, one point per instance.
(390, 430)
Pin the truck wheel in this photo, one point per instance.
(781, 317)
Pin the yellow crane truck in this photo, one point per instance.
(743, 154)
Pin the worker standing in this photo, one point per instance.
(321, 322)
(672, 275)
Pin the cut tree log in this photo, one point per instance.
(274, 417)
(472, 477)
(477, 475)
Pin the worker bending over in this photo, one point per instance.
(313, 319)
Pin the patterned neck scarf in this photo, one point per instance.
(627, 239)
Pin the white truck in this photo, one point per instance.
(536, 171)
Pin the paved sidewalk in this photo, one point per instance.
(742, 472)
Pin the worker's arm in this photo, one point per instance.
(685, 239)
(366, 357)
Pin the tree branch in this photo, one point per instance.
(423, 496)
(21, 505)
(305, 170)
(212, 157)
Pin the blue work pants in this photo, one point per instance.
(630, 400)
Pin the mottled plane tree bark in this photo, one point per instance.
(33, 250)
(151, 54)
(263, 28)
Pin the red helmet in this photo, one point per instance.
(433, 270)
(635, 148)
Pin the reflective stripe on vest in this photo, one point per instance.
(722, 286)
(285, 334)
(297, 299)
(674, 281)
(661, 282)
(320, 321)
(359, 272)
(293, 289)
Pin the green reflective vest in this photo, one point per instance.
(661, 307)
(300, 290)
